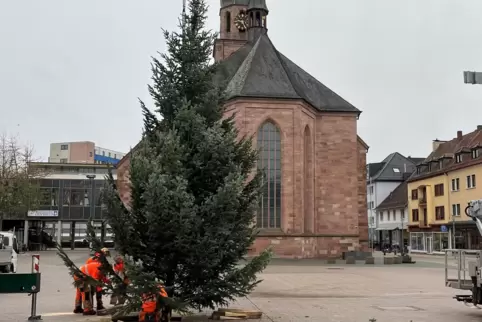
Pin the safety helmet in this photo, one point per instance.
(105, 251)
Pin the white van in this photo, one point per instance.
(8, 252)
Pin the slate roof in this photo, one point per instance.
(446, 153)
(398, 198)
(259, 70)
(383, 171)
(416, 160)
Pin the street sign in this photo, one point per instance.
(444, 229)
(19, 283)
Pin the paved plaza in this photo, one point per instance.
(291, 291)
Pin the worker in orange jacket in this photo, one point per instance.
(150, 310)
(104, 251)
(119, 269)
(92, 270)
(98, 291)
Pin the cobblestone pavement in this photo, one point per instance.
(291, 291)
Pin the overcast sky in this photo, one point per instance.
(73, 70)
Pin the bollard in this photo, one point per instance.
(35, 270)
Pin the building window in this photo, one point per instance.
(103, 153)
(372, 220)
(381, 216)
(64, 147)
(458, 158)
(63, 160)
(471, 181)
(388, 216)
(439, 190)
(228, 21)
(440, 213)
(455, 184)
(456, 210)
(402, 214)
(415, 215)
(475, 153)
(115, 156)
(396, 170)
(370, 190)
(269, 144)
(414, 194)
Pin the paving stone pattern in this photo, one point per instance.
(291, 291)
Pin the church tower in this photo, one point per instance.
(257, 19)
(233, 33)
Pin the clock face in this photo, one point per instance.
(241, 21)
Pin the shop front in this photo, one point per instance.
(430, 242)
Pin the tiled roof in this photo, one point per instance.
(398, 198)
(446, 153)
(259, 70)
(385, 170)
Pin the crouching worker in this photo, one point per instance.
(92, 270)
(98, 290)
(83, 295)
(119, 269)
(151, 310)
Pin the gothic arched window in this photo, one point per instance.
(269, 145)
(228, 21)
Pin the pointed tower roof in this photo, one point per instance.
(257, 4)
(225, 3)
(259, 70)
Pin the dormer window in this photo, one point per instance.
(458, 158)
(441, 164)
(396, 170)
(475, 153)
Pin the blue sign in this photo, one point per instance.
(444, 229)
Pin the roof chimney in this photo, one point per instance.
(459, 134)
(479, 127)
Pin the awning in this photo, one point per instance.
(391, 226)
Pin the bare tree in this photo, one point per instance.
(19, 189)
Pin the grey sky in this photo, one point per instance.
(72, 70)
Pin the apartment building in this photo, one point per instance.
(439, 192)
(382, 179)
(82, 152)
(392, 217)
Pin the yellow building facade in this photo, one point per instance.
(439, 192)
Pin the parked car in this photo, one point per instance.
(8, 252)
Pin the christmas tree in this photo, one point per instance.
(194, 186)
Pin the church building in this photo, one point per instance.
(314, 200)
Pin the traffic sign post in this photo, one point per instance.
(36, 271)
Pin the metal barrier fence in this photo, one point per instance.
(458, 260)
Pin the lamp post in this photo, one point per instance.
(91, 178)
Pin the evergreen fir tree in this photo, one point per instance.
(194, 186)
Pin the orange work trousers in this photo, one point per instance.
(78, 298)
(87, 299)
(149, 316)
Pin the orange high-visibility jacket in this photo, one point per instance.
(94, 258)
(149, 301)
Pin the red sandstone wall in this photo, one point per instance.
(362, 198)
(336, 175)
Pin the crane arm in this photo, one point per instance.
(474, 211)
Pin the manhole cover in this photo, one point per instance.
(397, 308)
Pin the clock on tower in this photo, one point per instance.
(241, 21)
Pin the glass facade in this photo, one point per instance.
(429, 242)
(72, 198)
(269, 145)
